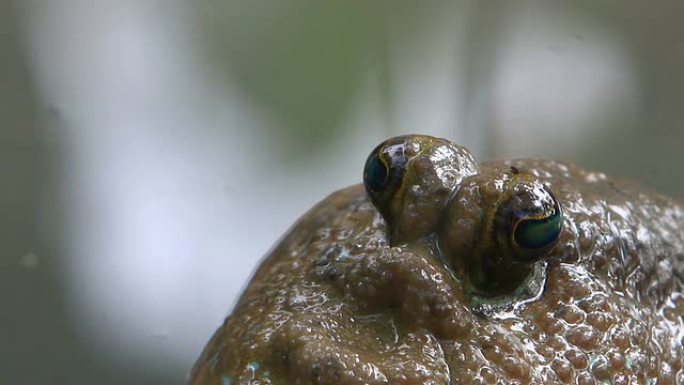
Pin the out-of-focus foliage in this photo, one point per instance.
(302, 61)
(650, 149)
(304, 67)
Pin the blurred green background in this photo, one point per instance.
(152, 151)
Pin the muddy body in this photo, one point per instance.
(337, 302)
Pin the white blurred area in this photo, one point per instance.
(558, 74)
(170, 192)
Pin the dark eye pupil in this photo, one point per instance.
(538, 233)
(375, 173)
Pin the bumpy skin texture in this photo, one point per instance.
(335, 303)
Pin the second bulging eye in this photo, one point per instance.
(375, 172)
(529, 221)
(538, 233)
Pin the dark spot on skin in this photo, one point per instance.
(316, 371)
(325, 265)
(329, 255)
(330, 273)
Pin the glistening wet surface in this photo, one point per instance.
(431, 281)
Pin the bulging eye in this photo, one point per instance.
(498, 229)
(529, 222)
(409, 179)
(384, 171)
(534, 234)
(376, 172)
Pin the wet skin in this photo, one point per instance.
(443, 270)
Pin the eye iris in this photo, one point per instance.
(538, 233)
(375, 173)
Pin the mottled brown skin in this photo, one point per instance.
(339, 302)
